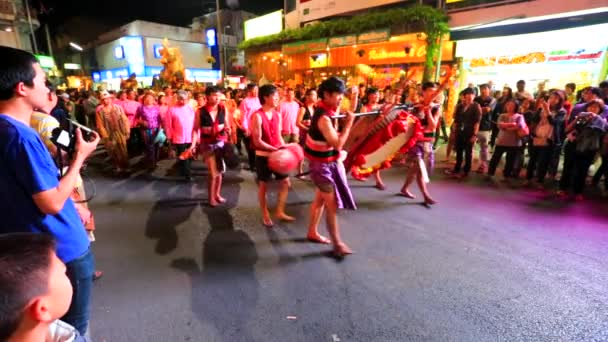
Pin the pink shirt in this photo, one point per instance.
(248, 106)
(180, 124)
(289, 115)
(130, 108)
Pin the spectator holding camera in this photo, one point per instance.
(33, 197)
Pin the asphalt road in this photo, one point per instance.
(488, 263)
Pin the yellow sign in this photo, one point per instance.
(379, 54)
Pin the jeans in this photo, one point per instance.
(540, 157)
(184, 165)
(463, 146)
(512, 152)
(80, 272)
(483, 138)
(602, 171)
(555, 157)
(576, 169)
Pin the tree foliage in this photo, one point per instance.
(433, 22)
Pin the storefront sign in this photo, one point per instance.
(536, 57)
(308, 45)
(319, 60)
(46, 62)
(342, 41)
(380, 54)
(374, 36)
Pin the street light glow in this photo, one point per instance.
(76, 46)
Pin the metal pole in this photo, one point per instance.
(48, 39)
(377, 112)
(29, 19)
(219, 38)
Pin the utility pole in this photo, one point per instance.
(29, 19)
(219, 38)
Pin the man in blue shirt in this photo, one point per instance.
(32, 197)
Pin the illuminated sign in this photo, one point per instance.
(211, 41)
(119, 52)
(264, 26)
(319, 60)
(111, 74)
(71, 66)
(308, 45)
(46, 61)
(561, 56)
(203, 75)
(374, 36)
(157, 48)
(134, 54)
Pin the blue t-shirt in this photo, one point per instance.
(26, 168)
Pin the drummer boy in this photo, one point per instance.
(266, 137)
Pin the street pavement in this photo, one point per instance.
(488, 263)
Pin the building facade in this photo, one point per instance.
(15, 29)
(539, 41)
(134, 48)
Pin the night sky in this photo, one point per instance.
(86, 18)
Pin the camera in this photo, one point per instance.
(64, 136)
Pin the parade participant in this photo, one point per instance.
(211, 124)
(248, 106)
(233, 113)
(289, 109)
(266, 137)
(323, 146)
(149, 120)
(305, 116)
(169, 95)
(373, 104)
(114, 129)
(130, 106)
(179, 130)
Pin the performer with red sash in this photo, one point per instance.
(212, 129)
(373, 104)
(266, 137)
(323, 145)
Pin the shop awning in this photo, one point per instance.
(530, 25)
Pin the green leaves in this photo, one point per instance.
(434, 23)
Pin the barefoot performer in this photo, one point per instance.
(266, 137)
(323, 146)
(425, 117)
(212, 125)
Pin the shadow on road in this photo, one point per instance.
(224, 288)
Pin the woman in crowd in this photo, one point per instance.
(149, 120)
(528, 108)
(113, 127)
(584, 140)
(544, 136)
(507, 94)
(512, 127)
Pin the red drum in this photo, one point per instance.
(378, 150)
(286, 160)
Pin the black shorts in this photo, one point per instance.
(263, 172)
